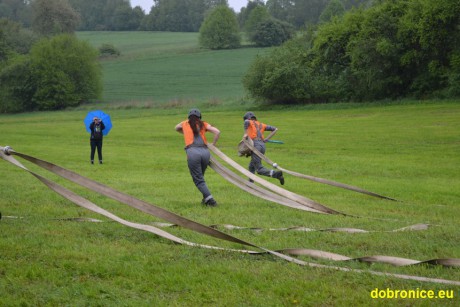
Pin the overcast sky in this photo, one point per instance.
(147, 4)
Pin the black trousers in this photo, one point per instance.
(96, 144)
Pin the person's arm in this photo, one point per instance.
(246, 126)
(179, 128)
(102, 125)
(271, 134)
(214, 131)
(91, 126)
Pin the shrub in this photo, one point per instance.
(272, 32)
(65, 72)
(108, 50)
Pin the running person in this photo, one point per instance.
(255, 130)
(198, 155)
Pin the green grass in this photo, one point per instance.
(158, 68)
(408, 151)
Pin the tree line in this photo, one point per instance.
(379, 50)
(43, 66)
(166, 15)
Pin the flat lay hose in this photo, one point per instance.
(312, 178)
(6, 152)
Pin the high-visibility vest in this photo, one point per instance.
(188, 133)
(255, 129)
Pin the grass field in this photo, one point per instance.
(407, 150)
(153, 63)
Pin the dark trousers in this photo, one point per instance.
(96, 144)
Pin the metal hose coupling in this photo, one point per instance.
(7, 149)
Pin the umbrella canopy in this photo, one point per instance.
(99, 114)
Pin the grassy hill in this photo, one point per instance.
(159, 67)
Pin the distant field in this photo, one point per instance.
(160, 67)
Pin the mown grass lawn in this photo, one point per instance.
(409, 151)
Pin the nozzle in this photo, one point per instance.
(6, 150)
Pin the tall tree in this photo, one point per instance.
(51, 17)
(257, 15)
(16, 10)
(126, 18)
(220, 29)
(246, 11)
(280, 9)
(171, 15)
(333, 8)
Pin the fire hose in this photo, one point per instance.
(7, 152)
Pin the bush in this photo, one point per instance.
(281, 77)
(65, 72)
(108, 50)
(272, 32)
(16, 86)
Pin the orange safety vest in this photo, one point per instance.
(254, 127)
(188, 133)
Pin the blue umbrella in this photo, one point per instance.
(99, 114)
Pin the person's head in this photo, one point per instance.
(194, 118)
(96, 119)
(249, 115)
(194, 112)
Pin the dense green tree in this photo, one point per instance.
(280, 9)
(305, 12)
(396, 48)
(16, 37)
(16, 10)
(4, 48)
(51, 17)
(220, 29)
(126, 18)
(65, 72)
(171, 15)
(281, 77)
(431, 34)
(179, 15)
(16, 85)
(333, 8)
(272, 32)
(246, 11)
(375, 53)
(258, 15)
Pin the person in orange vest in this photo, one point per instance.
(198, 155)
(255, 130)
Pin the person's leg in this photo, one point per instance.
(195, 161)
(99, 151)
(93, 150)
(257, 161)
